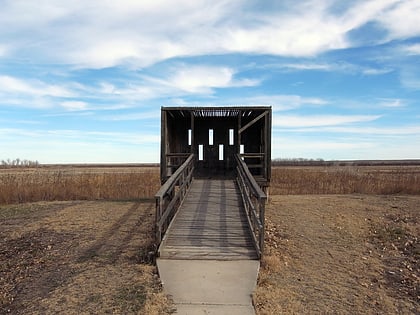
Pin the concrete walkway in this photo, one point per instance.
(210, 286)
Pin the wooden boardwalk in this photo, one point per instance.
(210, 224)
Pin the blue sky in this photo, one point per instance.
(83, 81)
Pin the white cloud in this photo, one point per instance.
(354, 148)
(317, 145)
(343, 67)
(384, 131)
(372, 71)
(98, 34)
(133, 91)
(307, 66)
(393, 103)
(297, 147)
(402, 19)
(284, 102)
(3, 50)
(174, 82)
(34, 88)
(395, 132)
(152, 115)
(76, 146)
(410, 77)
(74, 105)
(412, 50)
(278, 102)
(202, 79)
(291, 121)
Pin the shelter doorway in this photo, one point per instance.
(215, 147)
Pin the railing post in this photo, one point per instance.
(262, 219)
(158, 215)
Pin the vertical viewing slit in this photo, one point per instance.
(220, 152)
(189, 137)
(210, 136)
(200, 152)
(231, 137)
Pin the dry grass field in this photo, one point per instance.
(79, 257)
(379, 180)
(19, 185)
(341, 254)
(339, 240)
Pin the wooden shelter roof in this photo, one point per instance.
(210, 112)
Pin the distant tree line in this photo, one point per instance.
(296, 161)
(19, 163)
(321, 162)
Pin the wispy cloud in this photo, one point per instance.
(292, 146)
(387, 131)
(36, 88)
(401, 19)
(98, 34)
(376, 71)
(319, 145)
(83, 136)
(152, 115)
(176, 81)
(336, 67)
(3, 50)
(278, 102)
(410, 77)
(64, 146)
(392, 103)
(344, 70)
(202, 79)
(368, 131)
(294, 121)
(412, 50)
(306, 66)
(74, 105)
(351, 148)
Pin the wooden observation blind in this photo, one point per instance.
(215, 166)
(214, 135)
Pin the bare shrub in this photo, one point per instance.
(18, 163)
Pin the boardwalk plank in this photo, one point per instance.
(211, 224)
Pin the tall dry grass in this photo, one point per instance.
(124, 183)
(43, 184)
(345, 180)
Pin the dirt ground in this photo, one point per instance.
(79, 258)
(325, 254)
(346, 254)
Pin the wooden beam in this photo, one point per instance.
(163, 139)
(192, 132)
(238, 138)
(252, 122)
(268, 127)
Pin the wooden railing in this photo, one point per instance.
(174, 161)
(254, 200)
(170, 196)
